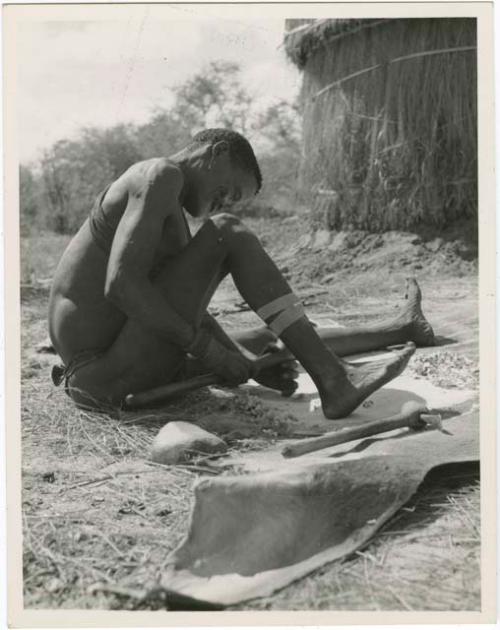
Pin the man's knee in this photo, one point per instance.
(230, 226)
(226, 222)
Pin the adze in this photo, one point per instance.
(165, 392)
(412, 415)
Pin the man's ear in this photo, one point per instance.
(217, 150)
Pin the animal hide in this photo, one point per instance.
(253, 534)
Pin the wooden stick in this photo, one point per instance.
(409, 416)
(165, 392)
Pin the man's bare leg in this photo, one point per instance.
(260, 282)
(409, 325)
(138, 359)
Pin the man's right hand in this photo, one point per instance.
(235, 368)
(230, 365)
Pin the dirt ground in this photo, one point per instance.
(97, 512)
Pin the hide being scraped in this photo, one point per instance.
(253, 533)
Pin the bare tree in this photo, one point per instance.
(214, 97)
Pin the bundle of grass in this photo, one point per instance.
(390, 120)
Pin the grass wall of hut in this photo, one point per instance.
(390, 121)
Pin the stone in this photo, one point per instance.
(37, 361)
(45, 347)
(176, 439)
(435, 244)
(339, 242)
(322, 239)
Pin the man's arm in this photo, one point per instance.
(213, 326)
(135, 242)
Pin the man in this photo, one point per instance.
(129, 297)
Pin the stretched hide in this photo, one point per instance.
(253, 534)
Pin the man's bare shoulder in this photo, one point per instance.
(154, 175)
(154, 184)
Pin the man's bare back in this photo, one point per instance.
(81, 317)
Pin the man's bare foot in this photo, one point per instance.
(419, 329)
(341, 398)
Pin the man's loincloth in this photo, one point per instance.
(63, 373)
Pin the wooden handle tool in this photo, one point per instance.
(165, 392)
(409, 416)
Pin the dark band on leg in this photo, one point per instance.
(277, 305)
(286, 318)
(288, 310)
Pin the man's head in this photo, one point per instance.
(224, 170)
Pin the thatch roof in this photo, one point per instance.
(304, 37)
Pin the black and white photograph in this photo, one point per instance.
(250, 309)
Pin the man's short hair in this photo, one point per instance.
(240, 149)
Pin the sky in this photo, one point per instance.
(99, 73)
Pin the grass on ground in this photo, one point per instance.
(95, 510)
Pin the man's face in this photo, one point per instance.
(220, 184)
(230, 187)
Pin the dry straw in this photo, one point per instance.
(390, 119)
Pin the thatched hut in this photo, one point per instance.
(390, 119)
